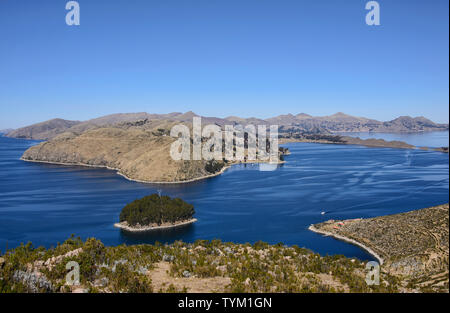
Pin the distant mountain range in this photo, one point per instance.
(5, 131)
(302, 122)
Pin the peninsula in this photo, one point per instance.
(412, 245)
(139, 151)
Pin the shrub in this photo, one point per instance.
(213, 166)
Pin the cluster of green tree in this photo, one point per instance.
(213, 166)
(283, 150)
(156, 209)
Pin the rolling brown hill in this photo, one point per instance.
(302, 122)
(139, 153)
(44, 130)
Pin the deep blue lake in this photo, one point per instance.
(424, 139)
(45, 203)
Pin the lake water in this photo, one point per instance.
(425, 139)
(45, 203)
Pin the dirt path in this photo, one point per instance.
(161, 280)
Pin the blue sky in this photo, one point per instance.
(223, 57)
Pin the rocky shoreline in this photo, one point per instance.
(125, 226)
(346, 239)
(118, 172)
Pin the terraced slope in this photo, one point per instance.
(414, 245)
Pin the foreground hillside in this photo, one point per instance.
(203, 266)
(414, 246)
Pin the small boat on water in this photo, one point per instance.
(322, 213)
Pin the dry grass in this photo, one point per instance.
(414, 245)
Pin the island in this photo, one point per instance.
(155, 212)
